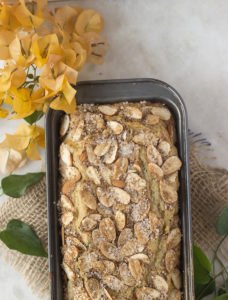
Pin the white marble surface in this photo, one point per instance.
(183, 42)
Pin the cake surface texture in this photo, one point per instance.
(119, 209)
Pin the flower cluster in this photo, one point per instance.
(43, 50)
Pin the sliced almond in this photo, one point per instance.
(93, 175)
(135, 183)
(70, 173)
(125, 235)
(92, 158)
(116, 127)
(132, 112)
(66, 155)
(70, 255)
(152, 119)
(85, 262)
(97, 237)
(172, 178)
(162, 112)
(89, 199)
(72, 240)
(70, 274)
(76, 136)
(102, 148)
(120, 168)
(153, 155)
(110, 251)
(68, 186)
(120, 219)
(99, 122)
(119, 195)
(175, 295)
(110, 156)
(168, 194)
(106, 173)
(160, 284)
(174, 238)
(64, 125)
(67, 218)
(147, 293)
(164, 148)
(145, 139)
(142, 257)
(155, 170)
(176, 278)
(113, 283)
(108, 110)
(171, 165)
(93, 288)
(140, 210)
(131, 247)
(136, 269)
(107, 229)
(171, 260)
(95, 217)
(67, 203)
(104, 197)
(143, 231)
(125, 275)
(88, 224)
(99, 268)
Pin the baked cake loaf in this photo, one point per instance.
(121, 235)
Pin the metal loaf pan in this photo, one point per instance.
(111, 91)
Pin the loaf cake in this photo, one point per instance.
(121, 235)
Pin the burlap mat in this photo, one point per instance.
(209, 187)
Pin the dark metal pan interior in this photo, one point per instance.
(111, 91)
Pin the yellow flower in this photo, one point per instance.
(22, 104)
(61, 103)
(43, 47)
(57, 77)
(27, 138)
(25, 101)
(89, 21)
(20, 50)
(7, 19)
(25, 17)
(66, 16)
(11, 75)
(6, 37)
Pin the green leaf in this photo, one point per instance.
(21, 237)
(36, 116)
(202, 266)
(203, 290)
(16, 185)
(222, 222)
(222, 297)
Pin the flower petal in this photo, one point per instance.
(89, 21)
(62, 104)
